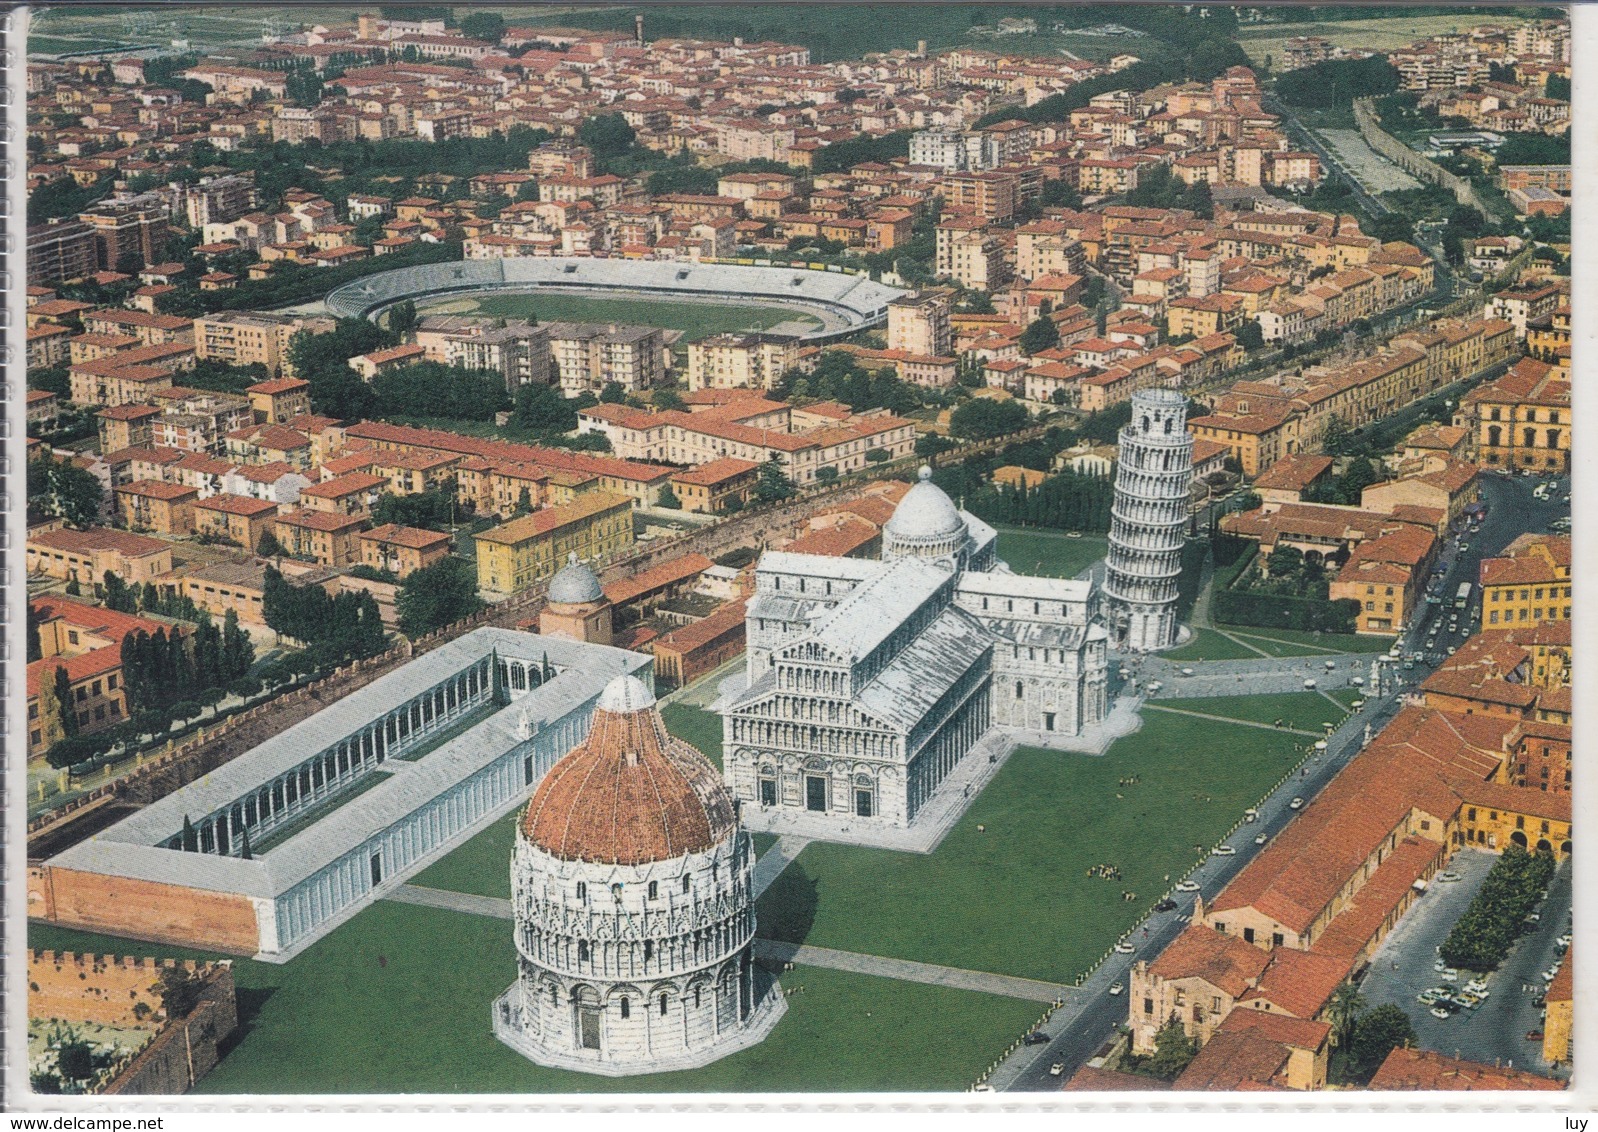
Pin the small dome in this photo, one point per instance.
(925, 512)
(625, 694)
(630, 793)
(574, 584)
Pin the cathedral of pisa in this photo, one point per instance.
(868, 681)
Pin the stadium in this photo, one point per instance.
(842, 302)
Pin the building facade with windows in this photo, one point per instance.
(869, 681)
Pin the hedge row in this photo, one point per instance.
(1275, 611)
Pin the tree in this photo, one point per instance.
(828, 474)
(612, 393)
(1173, 1050)
(1342, 1010)
(186, 710)
(60, 487)
(541, 409)
(191, 839)
(983, 418)
(53, 710)
(437, 595)
(238, 651)
(179, 992)
(668, 499)
(268, 546)
(75, 1060)
(35, 646)
(1284, 560)
(402, 318)
(1249, 336)
(1042, 334)
(668, 400)
(487, 26)
(63, 691)
(1377, 1033)
(772, 484)
(608, 135)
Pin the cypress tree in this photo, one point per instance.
(244, 844)
(63, 691)
(191, 839)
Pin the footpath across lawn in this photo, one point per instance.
(1306, 710)
(1015, 897)
(1293, 642)
(1207, 644)
(398, 999)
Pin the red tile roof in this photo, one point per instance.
(1414, 1070)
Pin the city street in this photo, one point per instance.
(1090, 1015)
(1496, 1030)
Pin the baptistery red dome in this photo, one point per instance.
(630, 793)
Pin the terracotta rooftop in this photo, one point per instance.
(1414, 1070)
(630, 793)
(1223, 961)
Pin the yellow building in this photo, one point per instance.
(740, 361)
(596, 526)
(1529, 584)
(1522, 420)
(1556, 1027)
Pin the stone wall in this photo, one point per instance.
(167, 913)
(1410, 161)
(187, 1049)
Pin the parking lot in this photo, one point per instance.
(1495, 1031)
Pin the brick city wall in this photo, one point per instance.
(167, 913)
(72, 987)
(187, 1049)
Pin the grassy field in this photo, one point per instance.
(1014, 899)
(1280, 641)
(1049, 553)
(697, 726)
(1347, 696)
(397, 1001)
(481, 866)
(1207, 644)
(695, 320)
(1375, 34)
(1307, 710)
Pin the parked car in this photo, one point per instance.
(1251, 814)
(1117, 988)
(1166, 905)
(1309, 685)
(1223, 851)
(1450, 975)
(1187, 886)
(1551, 974)
(1037, 1038)
(1448, 876)
(1440, 965)
(1056, 1069)
(1296, 804)
(1124, 948)
(1261, 839)
(1563, 941)
(1534, 1035)
(1476, 986)
(1427, 998)
(1441, 1011)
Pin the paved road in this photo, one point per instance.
(1495, 1031)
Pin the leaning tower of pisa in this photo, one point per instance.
(1154, 474)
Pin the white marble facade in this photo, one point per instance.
(869, 681)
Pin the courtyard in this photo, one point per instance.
(1049, 554)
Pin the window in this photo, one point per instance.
(582, 891)
(582, 951)
(686, 882)
(1148, 1006)
(626, 1007)
(654, 893)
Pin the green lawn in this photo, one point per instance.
(697, 726)
(1346, 696)
(482, 865)
(1282, 641)
(695, 320)
(1049, 553)
(1014, 899)
(1207, 644)
(1307, 710)
(397, 1001)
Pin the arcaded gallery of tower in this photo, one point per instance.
(631, 883)
(1154, 475)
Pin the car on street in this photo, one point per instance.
(1117, 988)
(1551, 974)
(1476, 986)
(1534, 1035)
(1166, 905)
(1440, 965)
(1450, 975)
(1261, 839)
(1428, 998)
(1296, 804)
(1223, 851)
(1124, 948)
(1037, 1038)
(1073, 534)
(1540, 1001)
(1448, 876)
(1563, 941)
(1251, 814)
(1309, 685)
(1187, 886)
(1056, 1069)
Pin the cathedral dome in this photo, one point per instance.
(574, 584)
(630, 793)
(925, 513)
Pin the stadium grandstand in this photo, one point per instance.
(843, 302)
